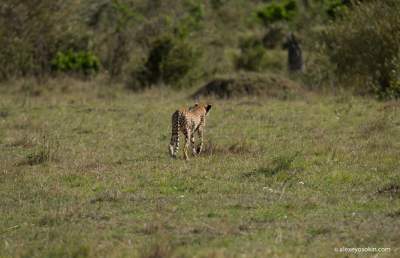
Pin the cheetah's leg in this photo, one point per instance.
(187, 142)
(174, 145)
(193, 144)
(200, 133)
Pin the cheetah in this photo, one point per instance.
(188, 121)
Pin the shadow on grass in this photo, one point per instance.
(394, 214)
(392, 190)
(238, 148)
(4, 114)
(279, 164)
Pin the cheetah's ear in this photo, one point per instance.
(208, 107)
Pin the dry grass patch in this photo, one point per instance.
(107, 196)
(44, 151)
(391, 105)
(160, 249)
(375, 126)
(24, 141)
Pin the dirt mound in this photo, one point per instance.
(250, 85)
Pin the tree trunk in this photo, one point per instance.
(306, 4)
(295, 56)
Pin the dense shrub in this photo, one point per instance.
(335, 7)
(81, 62)
(274, 36)
(275, 12)
(113, 23)
(191, 21)
(169, 61)
(367, 53)
(30, 34)
(252, 54)
(195, 11)
(216, 4)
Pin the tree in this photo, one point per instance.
(295, 56)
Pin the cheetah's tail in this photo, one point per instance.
(174, 144)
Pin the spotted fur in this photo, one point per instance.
(188, 121)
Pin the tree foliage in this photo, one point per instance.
(275, 12)
(169, 62)
(367, 53)
(31, 32)
(252, 54)
(81, 62)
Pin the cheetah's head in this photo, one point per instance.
(205, 107)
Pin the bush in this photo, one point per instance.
(335, 7)
(113, 25)
(367, 53)
(170, 61)
(30, 34)
(217, 4)
(275, 12)
(274, 37)
(252, 55)
(81, 62)
(192, 21)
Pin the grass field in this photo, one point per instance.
(86, 173)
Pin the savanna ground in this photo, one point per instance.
(85, 172)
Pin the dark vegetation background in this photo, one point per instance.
(184, 43)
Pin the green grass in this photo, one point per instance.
(86, 173)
